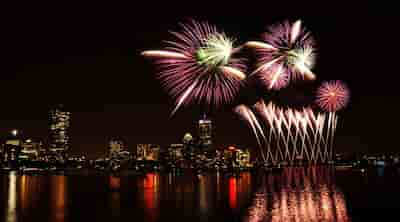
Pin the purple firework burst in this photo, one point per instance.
(199, 66)
(289, 45)
(275, 77)
(333, 96)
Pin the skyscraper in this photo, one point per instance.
(205, 133)
(59, 125)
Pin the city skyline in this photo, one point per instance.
(111, 91)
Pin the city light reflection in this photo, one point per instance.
(115, 185)
(58, 198)
(115, 182)
(28, 191)
(232, 193)
(150, 187)
(314, 198)
(12, 197)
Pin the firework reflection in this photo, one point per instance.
(299, 194)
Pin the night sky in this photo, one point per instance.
(86, 56)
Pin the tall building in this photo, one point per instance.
(59, 126)
(205, 134)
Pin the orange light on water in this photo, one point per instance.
(232, 193)
(115, 182)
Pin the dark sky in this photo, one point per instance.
(87, 57)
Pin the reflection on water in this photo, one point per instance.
(59, 196)
(190, 197)
(299, 194)
(115, 202)
(12, 197)
(232, 193)
(150, 195)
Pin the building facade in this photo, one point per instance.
(59, 141)
(149, 152)
(31, 149)
(115, 147)
(176, 152)
(205, 134)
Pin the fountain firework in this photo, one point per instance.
(288, 134)
(332, 96)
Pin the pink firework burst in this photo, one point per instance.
(275, 77)
(289, 45)
(199, 66)
(333, 96)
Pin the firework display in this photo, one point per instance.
(203, 65)
(291, 135)
(247, 115)
(275, 78)
(332, 96)
(199, 66)
(291, 47)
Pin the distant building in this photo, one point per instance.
(237, 157)
(243, 158)
(11, 148)
(176, 151)
(187, 138)
(205, 134)
(31, 149)
(147, 152)
(59, 126)
(115, 147)
(189, 149)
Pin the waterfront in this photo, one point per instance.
(298, 194)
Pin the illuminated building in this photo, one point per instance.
(187, 138)
(59, 125)
(237, 157)
(147, 152)
(31, 149)
(154, 152)
(115, 147)
(205, 134)
(189, 148)
(243, 158)
(12, 148)
(141, 150)
(16, 148)
(176, 151)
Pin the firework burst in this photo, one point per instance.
(275, 77)
(332, 96)
(199, 66)
(290, 46)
